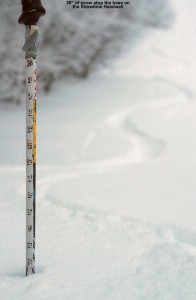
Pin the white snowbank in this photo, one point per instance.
(116, 205)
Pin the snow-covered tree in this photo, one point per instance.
(72, 41)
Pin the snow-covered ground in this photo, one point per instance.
(116, 197)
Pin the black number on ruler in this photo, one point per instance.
(30, 79)
(30, 195)
(29, 228)
(29, 211)
(29, 145)
(29, 245)
(29, 129)
(29, 162)
(30, 112)
(30, 96)
(29, 261)
(29, 62)
(29, 178)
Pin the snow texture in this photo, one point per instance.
(116, 202)
(72, 42)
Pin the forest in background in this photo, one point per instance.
(72, 42)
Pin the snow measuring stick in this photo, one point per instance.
(32, 10)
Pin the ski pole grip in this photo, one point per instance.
(32, 10)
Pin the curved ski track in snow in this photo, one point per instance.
(128, 259)
(118, 141)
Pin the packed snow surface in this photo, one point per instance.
(116, 201)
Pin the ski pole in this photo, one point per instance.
(32, 10)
